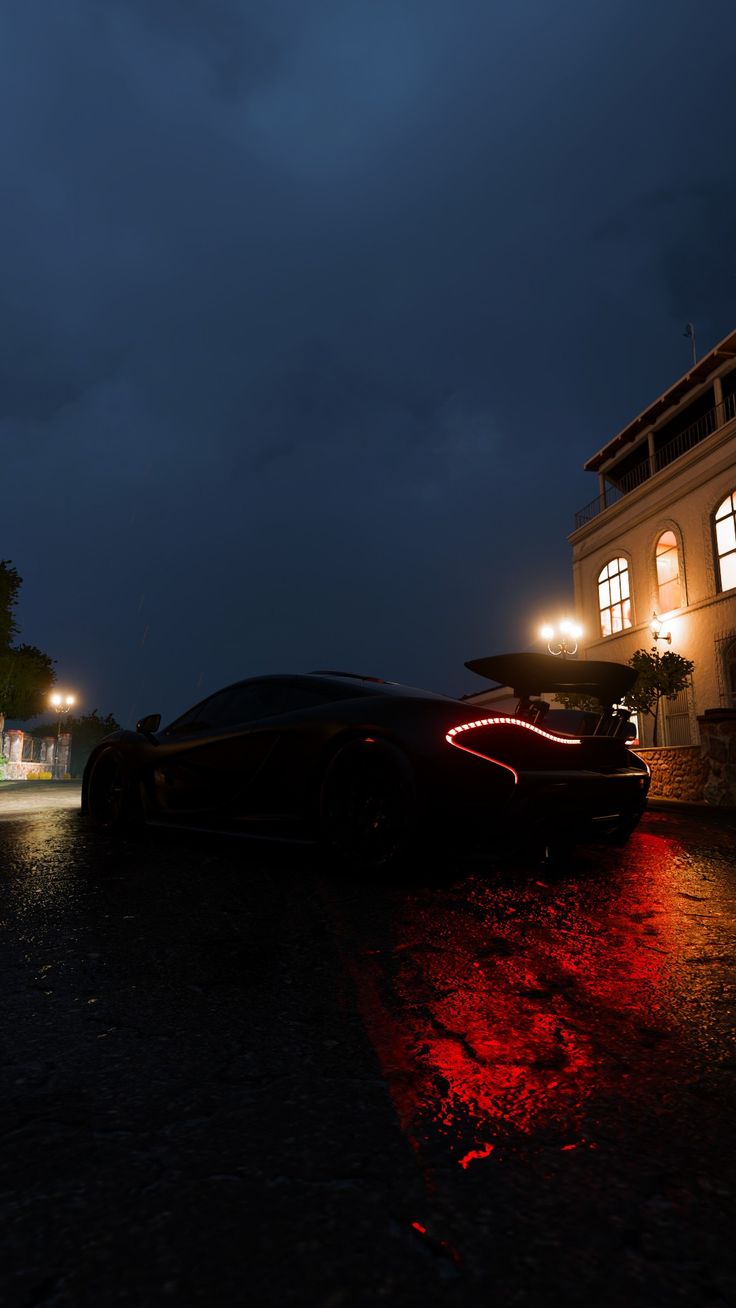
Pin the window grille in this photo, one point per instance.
(675, 714)
(614, 597)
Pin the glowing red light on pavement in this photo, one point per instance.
(484, 1152)
(437, 1245)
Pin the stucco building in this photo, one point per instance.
(660, 538)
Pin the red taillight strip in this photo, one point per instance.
(510, 722)
(467, 750)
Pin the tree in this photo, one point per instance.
(661, 676)
(87, 731)
(26, 673)
(10, 584)
(586, 703)
(26, 677)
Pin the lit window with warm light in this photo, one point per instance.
(614, 597)
(668, 573)
(726, 541)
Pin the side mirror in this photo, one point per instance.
(149, 724)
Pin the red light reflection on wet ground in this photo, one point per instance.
(501, 1010)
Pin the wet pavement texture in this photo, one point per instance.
(232, 1076)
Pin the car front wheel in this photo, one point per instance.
(113, 797)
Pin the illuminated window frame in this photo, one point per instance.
(669, 589)
(614, 597)
(724, 525)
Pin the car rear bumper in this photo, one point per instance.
(576, 809)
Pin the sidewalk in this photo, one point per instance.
(663, 803)
(47, 785)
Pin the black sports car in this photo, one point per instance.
(374, 769)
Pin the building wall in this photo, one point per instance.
(683, 498)
(718, 735)
(677, 773)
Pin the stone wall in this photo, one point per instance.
(718, 743)
(24, 754)
(677, 772)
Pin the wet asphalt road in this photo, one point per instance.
(231, 1077)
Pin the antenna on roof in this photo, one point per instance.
(690, 331)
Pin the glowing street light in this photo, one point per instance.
(562, 639)
(62, 704)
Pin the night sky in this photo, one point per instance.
(313, 309)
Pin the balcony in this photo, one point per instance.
(635, 476)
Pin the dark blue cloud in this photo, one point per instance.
(310, 315)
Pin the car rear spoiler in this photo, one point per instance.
(531, 674)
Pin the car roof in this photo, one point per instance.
(372, 685)
(363, 685)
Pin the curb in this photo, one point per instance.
(664, 804)
(20, 784)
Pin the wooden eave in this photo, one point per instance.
(703, 370)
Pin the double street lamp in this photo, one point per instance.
(62, 704)
(562, 640)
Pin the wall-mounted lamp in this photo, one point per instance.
(657, 629)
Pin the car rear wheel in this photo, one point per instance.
(368, 806)
(113, 797)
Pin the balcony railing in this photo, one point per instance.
(684, 441)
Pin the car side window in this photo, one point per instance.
(203, 715)
(290, 696)
(247, 703)
(237, 705)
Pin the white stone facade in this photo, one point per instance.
(678, 492)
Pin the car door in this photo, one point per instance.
(207, 759)
(301, 719)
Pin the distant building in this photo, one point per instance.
(660, 538)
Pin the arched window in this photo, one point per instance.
(726, 541)
(614, 602)
(668, 573)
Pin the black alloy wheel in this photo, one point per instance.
(113, 801)
(368, 806)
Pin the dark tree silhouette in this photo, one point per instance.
(26, 673)
(661, 676)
